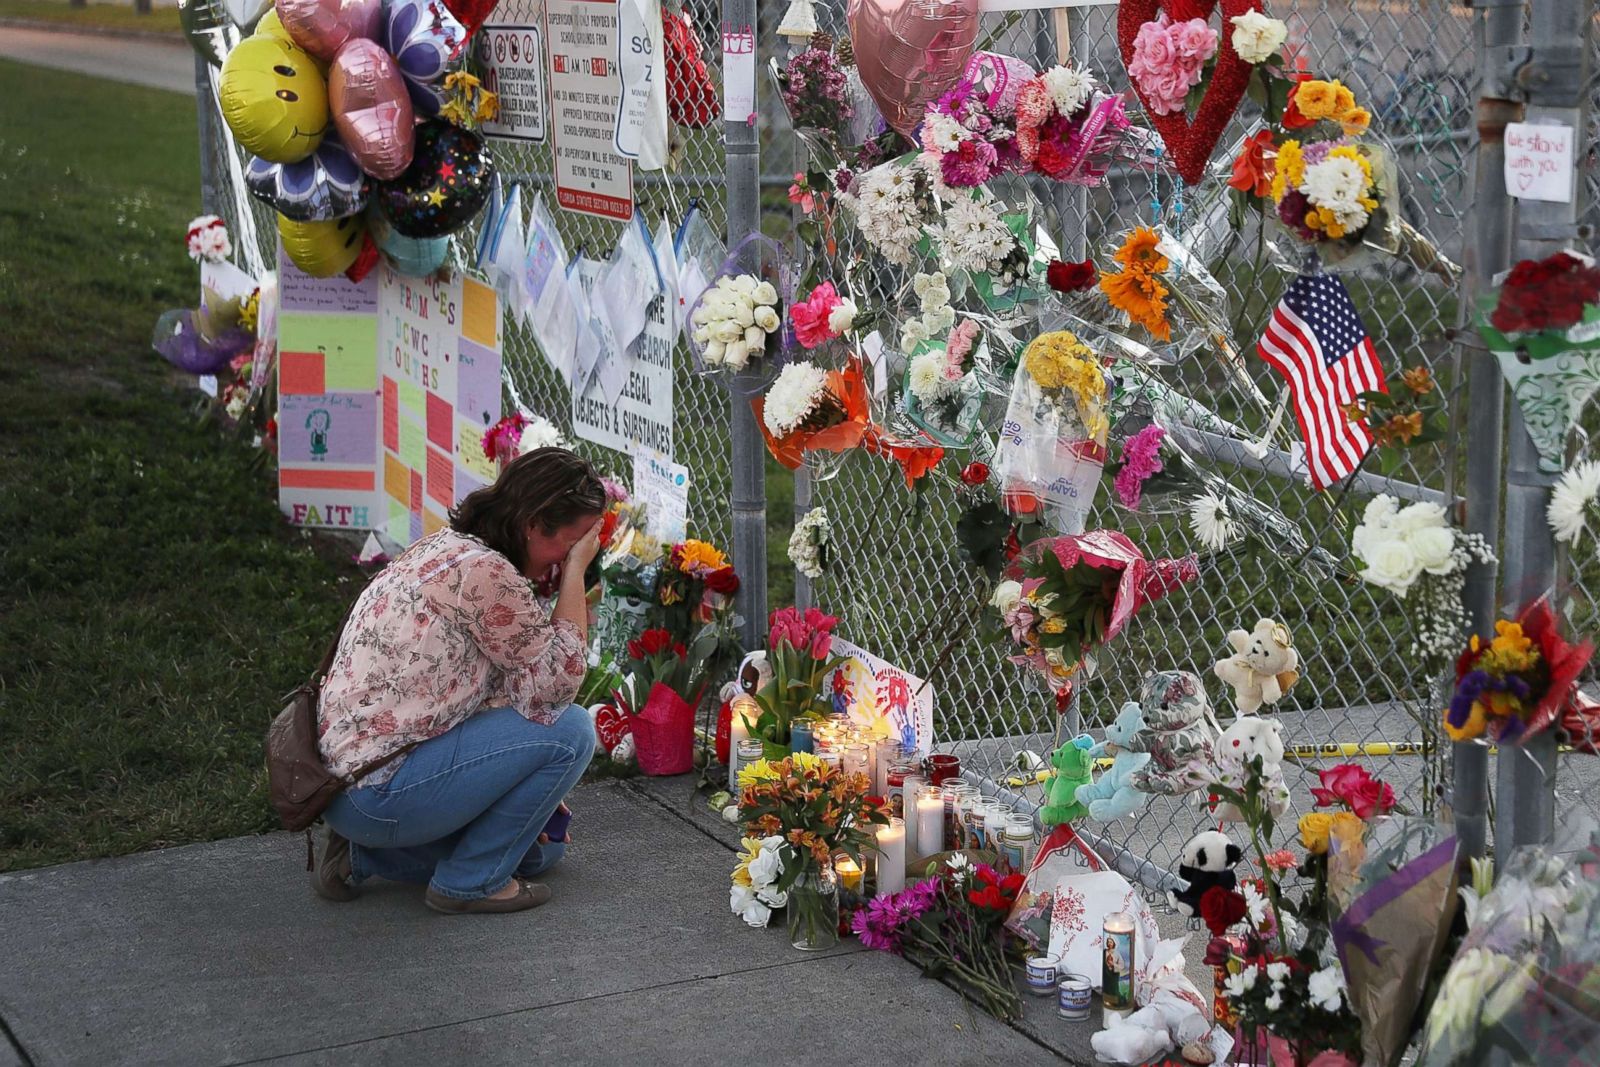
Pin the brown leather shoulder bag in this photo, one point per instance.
(299, 784)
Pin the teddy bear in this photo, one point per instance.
(1074, 768)
(1207, 861)
(1243, 740)
(1114, 796)
(1263, 666)
(1179, 734)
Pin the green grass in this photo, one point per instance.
(109, 16)
(154, 607)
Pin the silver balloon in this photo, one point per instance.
(210, 30)
(246, 13)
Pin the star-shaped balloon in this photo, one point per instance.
(1552, 374)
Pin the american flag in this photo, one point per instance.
(1317, 342)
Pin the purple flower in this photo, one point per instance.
(1292, 211)
(969, 165)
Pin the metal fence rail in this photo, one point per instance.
(900, 585)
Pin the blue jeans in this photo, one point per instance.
(464, 811)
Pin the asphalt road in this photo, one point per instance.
(137, 61)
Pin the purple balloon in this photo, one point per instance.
(327, 184)
(322, 27)
(371, 109)
(427, 43)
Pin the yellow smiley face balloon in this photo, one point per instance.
(322, 249)
(274, 99)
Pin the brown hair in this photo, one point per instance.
(548, 486)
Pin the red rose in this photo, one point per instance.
(1221, 908)
(1011, 885)
(650, 643)
(975, 473)
(724, 581)
(1071, 277)
(989, 898)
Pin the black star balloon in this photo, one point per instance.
(445, 186)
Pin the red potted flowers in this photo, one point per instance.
(660, 692)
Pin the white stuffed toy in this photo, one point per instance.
(755, 673)
(1263, 666)
(1168, 1021)
(1245, 739)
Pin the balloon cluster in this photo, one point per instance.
(346, 107)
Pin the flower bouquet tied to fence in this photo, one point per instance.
(800, 811)
(1052, 442)
(1520, 682)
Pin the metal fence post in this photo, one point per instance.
(1553, 80)
(211, 199)
(1487, 254)
(749, 503)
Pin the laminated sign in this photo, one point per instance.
(513, 69)
(586, 96)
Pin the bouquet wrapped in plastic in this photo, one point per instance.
(1525, 985)
(740, 321)
(1053, 439)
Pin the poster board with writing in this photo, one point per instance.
(440, 368)
(581, 37)
(328, 459)
(866, 687)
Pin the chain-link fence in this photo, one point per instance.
(900, 583)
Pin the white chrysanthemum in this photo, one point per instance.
(1336, 181)
(1572, 501)
(1327, 987)
(539, 433)
(942, 133)
(912, 334)
(1069, 89)
(926, 378)
(807, 544)
(939, 320)
(974, 237)
(1256, 36)
(1237, 985)
(1278, 971)
(793, 396)
(1211, 522)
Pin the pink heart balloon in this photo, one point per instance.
(911, 51)
(371, 109)
(322, 27)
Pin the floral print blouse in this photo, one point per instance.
(446, 630)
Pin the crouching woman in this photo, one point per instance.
(452, 666)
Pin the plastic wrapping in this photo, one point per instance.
(1525, 985)
(1196, 304)
(763, 259)
(700, 253)
(1053, 438)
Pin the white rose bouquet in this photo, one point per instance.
(734, 319)
(1414, 548)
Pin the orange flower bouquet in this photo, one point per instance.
(1165, 294)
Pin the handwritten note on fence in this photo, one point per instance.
(1539, 162)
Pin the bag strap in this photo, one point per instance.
(333, 648)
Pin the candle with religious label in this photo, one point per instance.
(741, 706)
(957, 794)
(994, 826)
(892, 857)
(1016, 850)
(1116, 975)
(930, 820)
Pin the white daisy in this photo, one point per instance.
(1069, 88)
(1211, 521)
(793, 396)
(941, 133)
(1572, 500)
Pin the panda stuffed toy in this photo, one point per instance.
(1208, 861)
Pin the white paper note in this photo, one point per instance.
(738, 73)
(1539, 163)
(664, 488)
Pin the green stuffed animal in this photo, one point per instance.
(1074, 767)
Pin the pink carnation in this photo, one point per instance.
(971, 164)
(1141, 458)
(810, 317)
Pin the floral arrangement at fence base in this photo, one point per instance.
(811, 811)
(798, 647)
(1518, 683)
(1066, 596)
(660, 689)
(952, 925)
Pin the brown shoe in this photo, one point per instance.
(528, 895)
(331, 876)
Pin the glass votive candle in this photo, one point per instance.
(855, 761)
(849, 873)
(930, 820)
(994, 826)
(1016, 851)
(956, 794)
(942, 767)
(1074, 997)
(1040, 974)
(801, 736)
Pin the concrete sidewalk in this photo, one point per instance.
(219, 954)
(156, 63)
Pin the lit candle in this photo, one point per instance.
(930, 821)
(849, 872)
(855, 761)
(892, 857)
(740, 706)
(1116, 975)
(908, 809)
